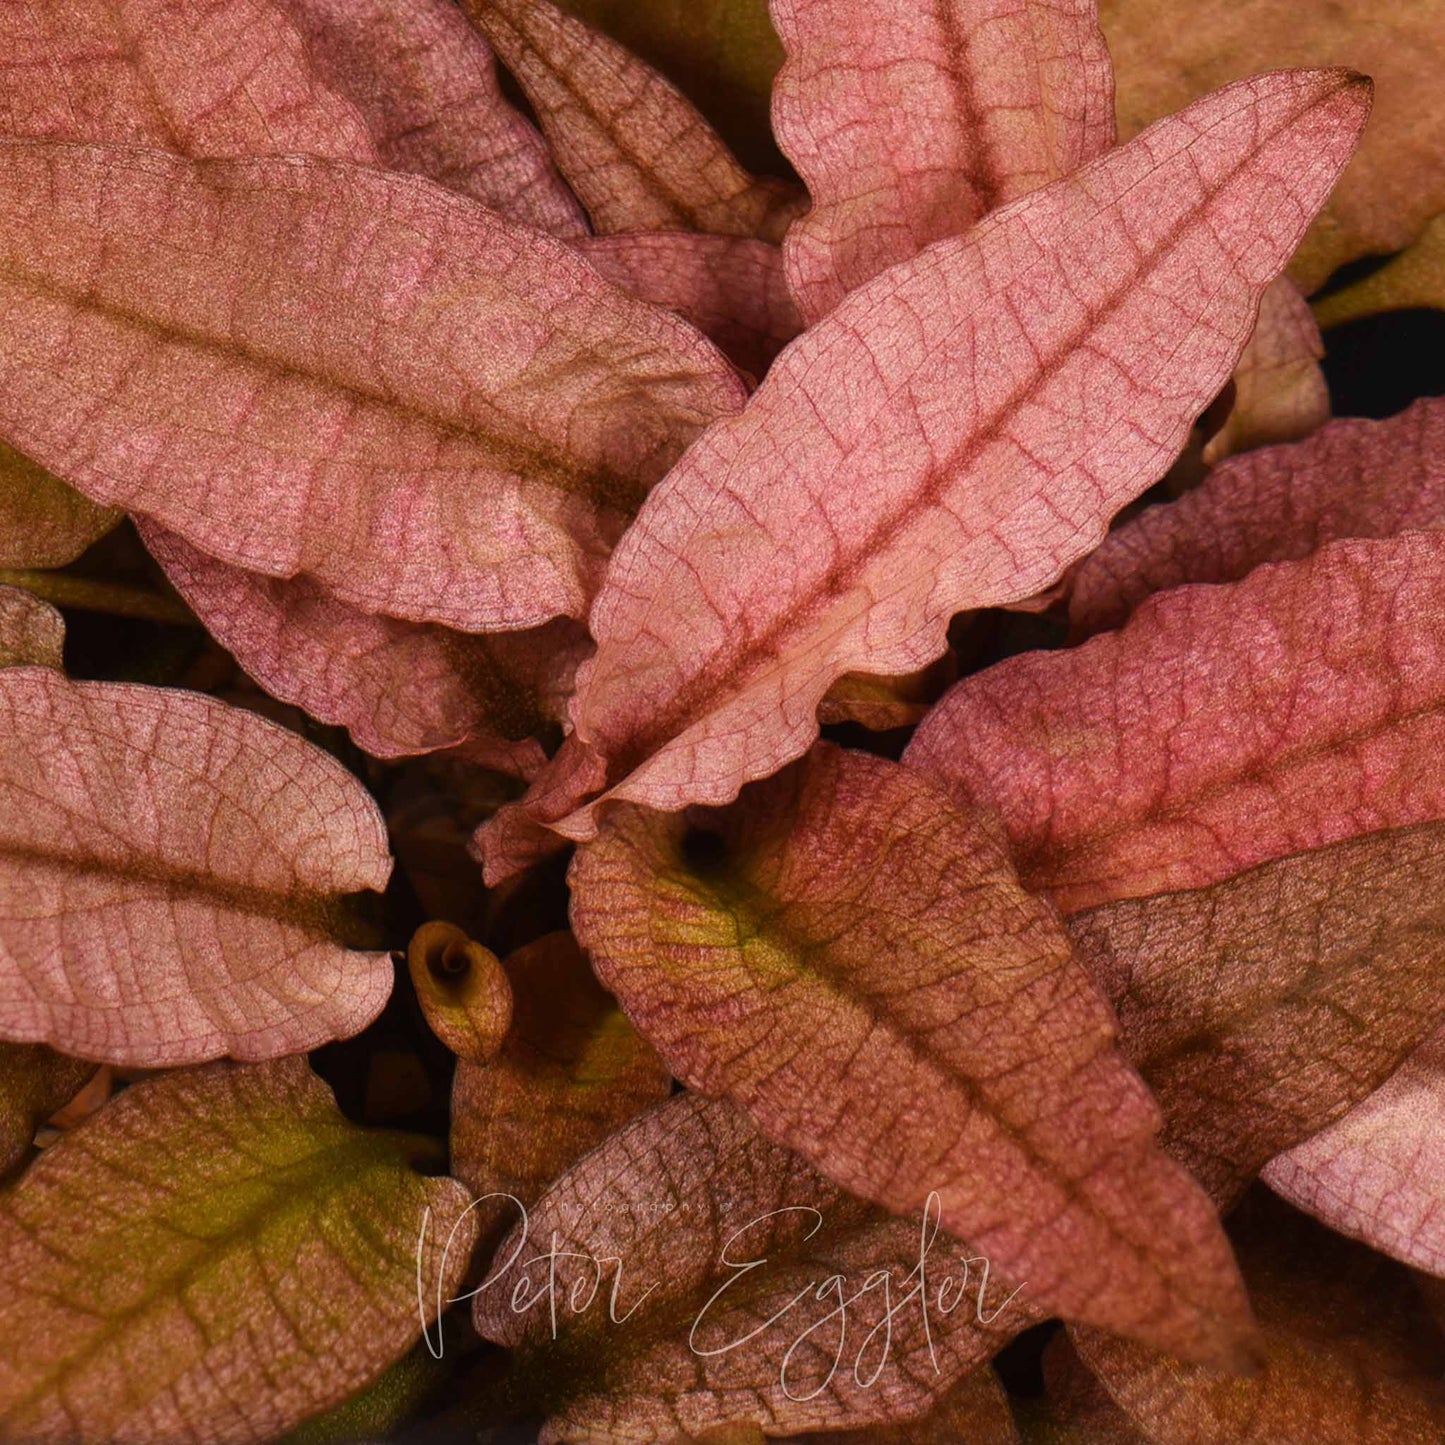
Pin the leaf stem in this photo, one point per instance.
(116, 598)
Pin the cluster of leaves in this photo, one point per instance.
(528, 483)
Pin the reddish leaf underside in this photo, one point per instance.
(174, 878)
(952, 436)
(853, 962)
(909, 122)
(1221, 727)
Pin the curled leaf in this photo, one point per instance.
(434, 413)
(633, 148)
(1261, 1008)
(172, 874)
(32, 632)
(464, 993)
(426, 83)
(910, 121)
(1219, 728)
(811, 1339)
(1280, 392)
(1354, 478)
(1379, 1172)
(216, 1255)
(952, 436)
(853, 962)
(44, 523)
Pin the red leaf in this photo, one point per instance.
(952, 436)
(910, 121)
(1223, 726)
(1352, 479)
(854, 963)
(426, 83)
(173, 880)
(431, 411)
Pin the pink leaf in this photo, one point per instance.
(173, 881)
(909, 121)
(1379, 1172)
(632, 146)
(952, 436)
(32, 632)
(1352, 479)
(1222, 727)
(426, 83)
(731, 288)
(431, 411)
(400, 688)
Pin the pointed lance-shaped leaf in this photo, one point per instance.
(730, 287)
(172, 874)
(853, 962)
(952, 436)
(32, 632)
(401, 688)
(631, 145)
(426, 83)
(1280, 392)
(433, 412)
(1260, 1009)
(43, 522)
(812, 1339)
(910, 121)
(1351, 1355)
(216, 1255)
(1379, 1173)
(1219, 728)
(1353, 478)
(571, 1070)
(463, 991)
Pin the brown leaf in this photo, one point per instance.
(214, 1256)
(173, 878)
(1416, 277)
(32, 632)
(463, 991)
(34, 1083)
(853, 962)
(44, 523)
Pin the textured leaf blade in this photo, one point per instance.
(1122, 768)
(431, 411)
(32, 632)
(909, 122)
(173, 878)
(254, 1261)
(885, 475)
(44, 523)
(860, 971)
(34, 1083)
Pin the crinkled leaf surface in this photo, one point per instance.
(1351, 1355)
(32, 632)
(433, 412)
(463, 991)
(910, 120)
(852, 961)
(1261, 1008)
(952, 436)
(426, 83)
(692, 1193)
(1280, 392)
(44, 523)
(1354, 478)
(975, 1411)
(400, 688)
(631, 145)
(34, 1083)
(1219, 728)
(215, 1256)
(1379, 1173)
(571, 1070)
(173, 878)
(1166, 54)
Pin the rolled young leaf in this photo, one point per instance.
(216, 1255)
(433, 412)
(172, 874)
(952, 436)
(1122, 768)
(910, 121)
(853, 962)
(462, 989)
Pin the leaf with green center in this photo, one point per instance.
(214, 1256)
(172, 878)
(853, 962)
